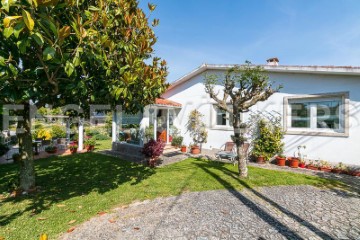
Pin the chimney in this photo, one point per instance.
(273, 61)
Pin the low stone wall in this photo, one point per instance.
(128, 151)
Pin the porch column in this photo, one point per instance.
(67, 131)
(155, 123)
(113, 127)
(167, 126)
(81, 135)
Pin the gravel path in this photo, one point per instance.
(287, 212)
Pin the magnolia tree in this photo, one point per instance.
(78, 52)
(242, 87)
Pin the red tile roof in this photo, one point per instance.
(167, 102)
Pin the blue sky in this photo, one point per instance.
(298, 32)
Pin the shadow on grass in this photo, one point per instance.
(279, 226)
(62, 178)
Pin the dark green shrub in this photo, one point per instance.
(268, 143)
(58, 131)
(101, 137)
(3, 149)
(92, 132)
(90, 142)
(13, 140)
(177, 141)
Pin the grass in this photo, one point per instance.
(79, 186)
(103, 145)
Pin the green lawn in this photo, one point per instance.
(103, 145)
(79, 186)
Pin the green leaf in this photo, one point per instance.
(18, 29)
(69, 68)
(38, 38)
(8, 32)
(22, 45)
(2, 61)
(76, 61)
(6, 4)
(49, 53)
(92, 8)
(28, 20)
(13, 69)
(8, 20)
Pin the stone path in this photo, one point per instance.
(288, 212)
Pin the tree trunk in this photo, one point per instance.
(239, 141)
(27, 170)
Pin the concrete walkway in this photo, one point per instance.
(288, 212)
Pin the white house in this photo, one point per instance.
(320, 106)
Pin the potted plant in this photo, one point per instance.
(294, 162)
(73, 148)
(324, 166)
(302, 163)
(177, 141)
(194, 149)
(312, 165)
(51, 149)
(280, 160)
(183, 148)
(267, 141)
(90, 144)
(197, 130)
(152, 150)
(354, 172)
(260, 156)
(340, 168)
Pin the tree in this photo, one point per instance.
(196, 127)
(75, 52)
(243, 87)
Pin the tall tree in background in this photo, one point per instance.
(75, 52)
(243, 87)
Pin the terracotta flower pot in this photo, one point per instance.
(312, 167)
(260, 160)
(281, 161)
(294, 162)
(183, 148)
(195, 150)
(301, 165)
(325, 169)
(336, 170)
(90, 148)
(355, 173)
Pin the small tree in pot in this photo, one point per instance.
(153, 149)
(197, 130)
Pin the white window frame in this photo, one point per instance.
(226, 127)
(343, 130)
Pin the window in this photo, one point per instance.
(323, 114)
(223, 119)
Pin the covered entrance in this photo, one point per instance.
(161, 118)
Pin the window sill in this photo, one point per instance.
(315, 133)
(222, 128)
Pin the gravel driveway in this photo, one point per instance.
(287, 212)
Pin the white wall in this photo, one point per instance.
(191, 95)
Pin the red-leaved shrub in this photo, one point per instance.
(153, 149)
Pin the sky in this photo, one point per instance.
(298, 32)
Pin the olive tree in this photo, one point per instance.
(242, 87)
(75, 52)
